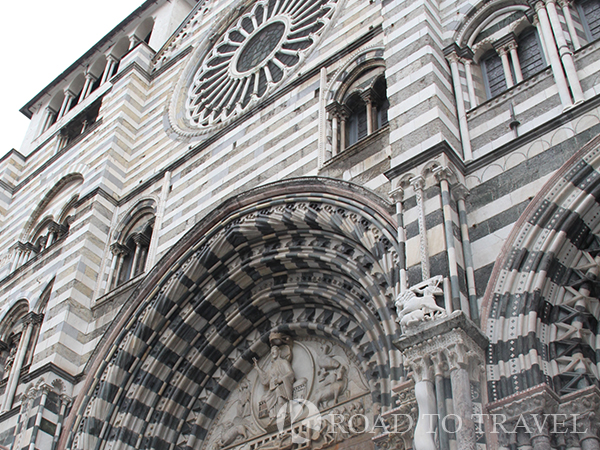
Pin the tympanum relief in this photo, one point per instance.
(279, 393)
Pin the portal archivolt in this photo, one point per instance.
(313, 260)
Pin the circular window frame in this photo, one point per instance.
(180, 119)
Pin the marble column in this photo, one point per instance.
(461, 193)
(133, 41)
(566, 9)
(397, 195)
(64, 403)
(565, 52)
(334, 111)
(550, 45)
(45, 389)
(87, 87)
(49, 117)
(503, 53)
(425, 395)
(461, 395)
(66, 104)
(460, 107)
(461, 345)
(470, 85)
(418, 183)
(439, 369)
(370, 98)
(141, 244)
(119, 251)
(30, 320)
(514, 57)
(443, 174)
(110, 65)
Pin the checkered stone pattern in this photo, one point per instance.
(303, 264)
(543, 310)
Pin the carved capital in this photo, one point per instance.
(421, 367)
(538, 400)
(460, 191)
(538, 6)
(397, 194)
(370, 96)
(33, 318)
(335, 109)
(444, 173)
(119, 250)
(418, 182)
(141, 239)
(111, 58)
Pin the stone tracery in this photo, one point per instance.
(253, 57)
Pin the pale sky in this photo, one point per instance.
(41, 39)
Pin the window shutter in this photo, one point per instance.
(591, 12)
(530, 55)
(494, 75)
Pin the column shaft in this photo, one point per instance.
(425, 396)
(463, 408)
(557, 71)
(565, 52)
(451, 250)
(369, 117)
(468, 257)
(38, 418)
(514, 56)
(570, 25)
(334, 135)
(460, 109)
(342, 134)
(418, 184)
(470, 85)
(506, 66)
(13, 379)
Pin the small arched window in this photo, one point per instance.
(135, 254)
(130, 251)
(361, 110)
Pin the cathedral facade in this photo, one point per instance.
(309, 224)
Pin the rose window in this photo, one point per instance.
(254, 56)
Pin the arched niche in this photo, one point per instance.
(311, 259)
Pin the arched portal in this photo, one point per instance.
(308, 266)
(541, 308)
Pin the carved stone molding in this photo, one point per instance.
(453, 342)
(400, 420)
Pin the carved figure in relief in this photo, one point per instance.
(278, 381)
(232, 430)
(333, 378)
(413, 309)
